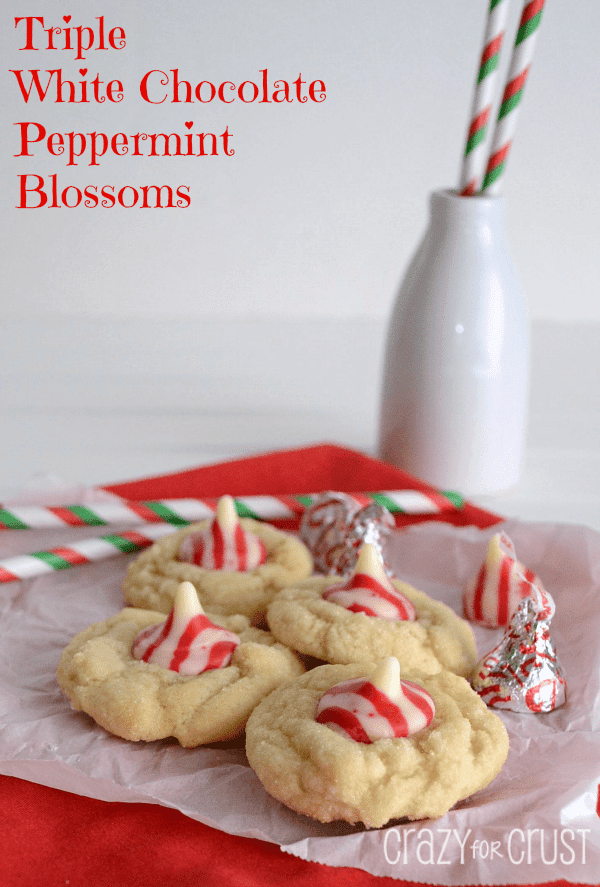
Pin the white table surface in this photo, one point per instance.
(89, 402)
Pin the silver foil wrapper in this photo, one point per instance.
(523, 673)
(335, 526)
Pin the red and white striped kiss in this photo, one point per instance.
(224, 545)
(379, 707)
(492, 596)
(369, 591)
(523, 673)
(188, 642)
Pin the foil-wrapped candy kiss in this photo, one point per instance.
(336, 525)
(523, 673)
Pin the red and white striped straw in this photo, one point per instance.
(183, 511)
(475, 156)
(38, 563)
(513, 94)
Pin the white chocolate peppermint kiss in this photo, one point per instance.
(523, 672)
(369, 591)
(500, 585)
(188, 642)
(378, 707)
(224, 544)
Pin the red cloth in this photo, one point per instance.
(286, 472)
(53, 838)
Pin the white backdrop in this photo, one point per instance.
(320, 207)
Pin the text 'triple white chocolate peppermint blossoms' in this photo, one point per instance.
(369, 591)
(224, 544)
(187, 642)
(501, 583)
(378, 707)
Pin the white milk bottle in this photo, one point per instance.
(455, 379)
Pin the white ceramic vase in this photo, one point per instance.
(455, 379)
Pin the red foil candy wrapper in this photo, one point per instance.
(523, 673)
(335, 526)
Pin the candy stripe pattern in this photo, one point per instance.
(501, 583)
(513, 94)
(363, 713)
(363, 594)
(223, 551)
(180, 512)
(187, 642)
(369, 591)
(335, 525)
(523, 673)
(161, 515)
(474, 159)
(201, 646)
(224, 545)
(26, 566)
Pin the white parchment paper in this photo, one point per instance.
(536, 822)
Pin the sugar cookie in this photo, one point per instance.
(351, 622)
(152, 579)
(146, 700)
(319, 772)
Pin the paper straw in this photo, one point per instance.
(38, 563)
(513, 94)
(179, 512)
(475, 157)
(26, 566)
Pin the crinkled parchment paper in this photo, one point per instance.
(537, 821)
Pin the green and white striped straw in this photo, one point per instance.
(513, 95)
(170, 513)
(180, 512)
(26, 566)
(475, 156)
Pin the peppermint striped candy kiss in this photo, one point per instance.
(224, 545)
(187, 642)
(369, 591)
(502, 581)
(523, 673)
(379, 707)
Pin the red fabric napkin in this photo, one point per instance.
(286, 472)
(53, 838)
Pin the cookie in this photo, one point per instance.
(152, 579)
(358, 623)
(144, 700)
(322, 773)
